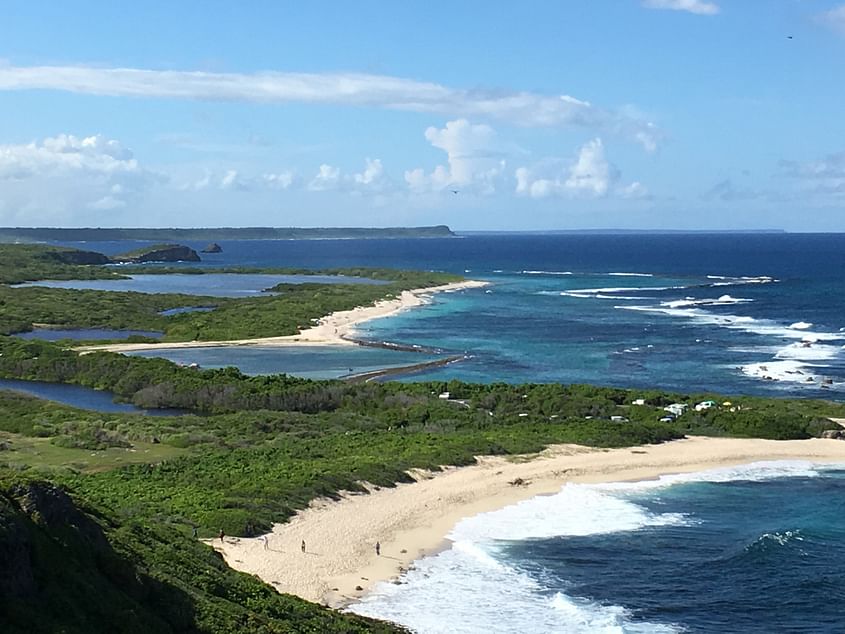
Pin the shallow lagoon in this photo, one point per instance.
(207, 284)
(81, 397)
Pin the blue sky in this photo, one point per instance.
(688, 114)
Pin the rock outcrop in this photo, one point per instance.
(212, 248)
(159, 253)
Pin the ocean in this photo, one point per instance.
(759, 314)
(759, 548)
(755, 549)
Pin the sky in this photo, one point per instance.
(539, 115)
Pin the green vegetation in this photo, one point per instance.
(26, 262)
(293, 307)
(71, 567)
(296, 307)
(97, 510)
(223, 233)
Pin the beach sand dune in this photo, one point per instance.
(412, 520)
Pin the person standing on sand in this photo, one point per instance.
(222, 535)
(264, 541)
(378, 549)
(303, 545)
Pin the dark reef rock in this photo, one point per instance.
(212, 248)
(159, 253)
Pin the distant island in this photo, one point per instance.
(35, 234)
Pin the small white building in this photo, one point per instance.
(639, 401)
(619, 419)
(445, 396)
(676, 409)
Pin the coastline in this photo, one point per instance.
(413, 520)
(335, 329)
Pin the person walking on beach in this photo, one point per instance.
(222, 535)
(303, 545)
(264, 541)
(378, 549)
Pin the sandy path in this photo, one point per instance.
(412, 520)
(330, 330)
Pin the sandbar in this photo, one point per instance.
(336, 329)
(412, 520)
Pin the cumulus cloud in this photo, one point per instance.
(699, 7)
(589, 175)
(834, 19)
(68, 153)
(475, 159)
(67, 171)
(353, 89)
(327, 177)
(371, 179)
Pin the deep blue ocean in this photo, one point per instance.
(755, 549)
(759, 548)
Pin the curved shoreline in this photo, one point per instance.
(411, 521)
(336, 329)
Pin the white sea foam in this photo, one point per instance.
(595, 295)
(801, 325)
(622, 289)
(547, 272)
(738, 322)
(724, 300)
(472, 587)
(730, 281)
(631, 274)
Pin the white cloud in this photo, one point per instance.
(590, 175)
(372, 174)
(280, 180)
(352, 89)
(699, 7)
(474, 156)
(371, 179)
(834, 19)
(635, 190)
(66, 153)
(58, 174)
(327, 177)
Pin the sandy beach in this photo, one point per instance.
(413, 520)
(335, 329)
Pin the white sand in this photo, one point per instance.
(330, 330)
(412, 520)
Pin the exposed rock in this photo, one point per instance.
(838, 434)
(159, 253)
(212, 248)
